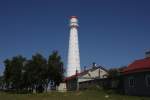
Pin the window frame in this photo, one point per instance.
(131, 80)
(146, 80)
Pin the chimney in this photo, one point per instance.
(147, 54)
(84, 68)
(94, 65)
(76, 72)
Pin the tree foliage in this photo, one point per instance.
(13, 72)
(55, 68)
(32, 74)
(35, 74)
(115, 72)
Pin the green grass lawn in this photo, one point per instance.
(82, 95)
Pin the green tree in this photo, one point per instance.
(33, 74)
(115, 72)
(1, 82)
(55, 68)
(28, 76)
(13, 72)
(36, 73)
(116, 78)
(7, 72)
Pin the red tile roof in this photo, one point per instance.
(73, 17)
(138, 66)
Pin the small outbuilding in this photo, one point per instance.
(87, 78)
(137, 77)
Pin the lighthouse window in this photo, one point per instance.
(148, 80)
(131, 82)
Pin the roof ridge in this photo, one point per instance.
(138, 65)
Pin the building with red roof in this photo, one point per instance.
(137, 77)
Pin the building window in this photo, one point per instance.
(52, 83)
(131, 82)
(147, 80)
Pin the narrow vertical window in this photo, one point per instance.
(131, 82)
(147, 80)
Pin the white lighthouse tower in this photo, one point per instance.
(73, 65)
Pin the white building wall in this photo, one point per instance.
(73, 52)
(98, 73)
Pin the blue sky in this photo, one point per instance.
(112, 33)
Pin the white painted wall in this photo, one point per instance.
(90, 75)
(73, 52)
(62, 87)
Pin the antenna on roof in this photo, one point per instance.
(94, 64)
(147, 54)
(84, 68)
(76, 72)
